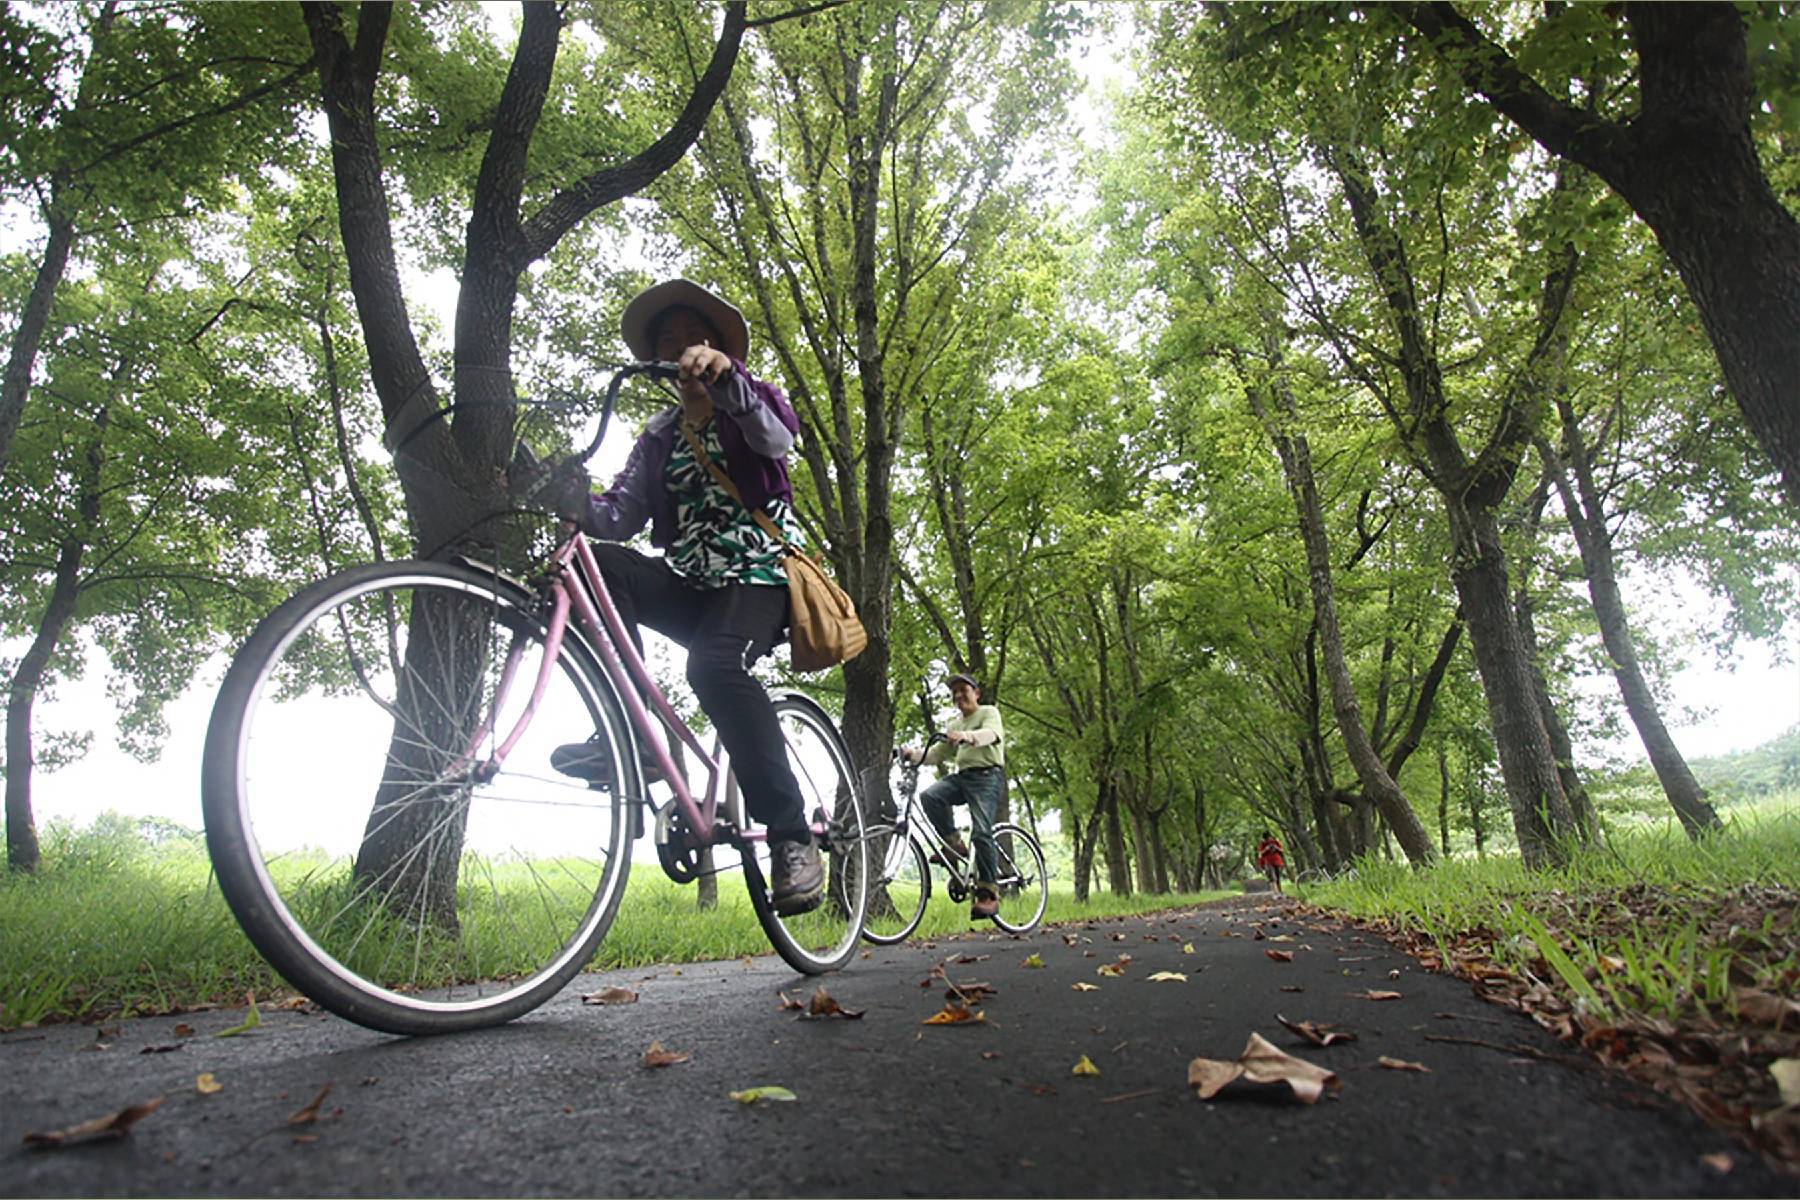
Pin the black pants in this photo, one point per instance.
(725, 630)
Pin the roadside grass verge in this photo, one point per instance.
(117, 923)
(1673, 960)
(1652, 925)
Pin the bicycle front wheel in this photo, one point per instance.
(1024, 890)
(360, 830)
(825, 938)
(898, 894)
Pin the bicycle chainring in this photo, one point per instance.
(681, 855)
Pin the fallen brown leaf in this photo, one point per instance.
(953, 1014)
(1764, 1008)
(206, 1085)
(611, 995)
(184, 1030)
(784, 1002)
(825, 1005)
(1316, 1033)
(1400, 1064)
(113, 1124)
(1261, 1062)
(310, 1113)
(1720, 1162)
(1280, 955)
(1373, 994)
(656, 1056)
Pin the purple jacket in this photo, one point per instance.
(756, 430)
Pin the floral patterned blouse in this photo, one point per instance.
(717, 541)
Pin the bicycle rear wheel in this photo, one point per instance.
(898, 894)
(825, 938)
(1024, 891)
(358, 832)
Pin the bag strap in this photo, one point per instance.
(724, 480)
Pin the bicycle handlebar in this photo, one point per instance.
(527, 465)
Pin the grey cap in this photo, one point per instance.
(961, 678)
(650, 303)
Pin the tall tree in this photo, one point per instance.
(853, 194)
(523, 201)
(1677, 143)
(118, 113)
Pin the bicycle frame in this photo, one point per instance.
(912, 824)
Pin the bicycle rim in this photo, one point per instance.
(1024, 891)
(355, 833)
(825, 938)
(898, 894)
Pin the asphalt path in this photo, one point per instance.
(561, 1103)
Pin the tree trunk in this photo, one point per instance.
(1561, 744)
(1541, 811)
(1443, 761)
(21, 826)
(1377, 784)
(1587, 520)
(15, 385)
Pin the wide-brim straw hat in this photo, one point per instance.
(644, 308)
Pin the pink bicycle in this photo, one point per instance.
(386, 822)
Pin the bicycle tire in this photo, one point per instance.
(364, 915)
(1024, 890)
(825, 938)
(905, 882)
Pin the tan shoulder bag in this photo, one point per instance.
(823, 628)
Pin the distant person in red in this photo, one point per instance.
(1270, 858)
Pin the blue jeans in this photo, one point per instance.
(979, 788)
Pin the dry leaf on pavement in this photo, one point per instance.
(953, 1014)
(611, 995)
(1373, 994)
(184, 1030)
(1085, 1066)
(1033, 961)
(113, 1124)
(1400, 1064)
(1280, 955)
(310, 1113)
(1111, 968)
(656, 1056)
(825, 1005)
(784, 1002)
(206, 1085)
(1261, 1062)
(1085, 987)
(1316, 1033)
(1167, 977)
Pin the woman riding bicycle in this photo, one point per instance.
(720, 588)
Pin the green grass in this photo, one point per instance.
(118, 923)
(1654, 925)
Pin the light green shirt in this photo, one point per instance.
(987, 752)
